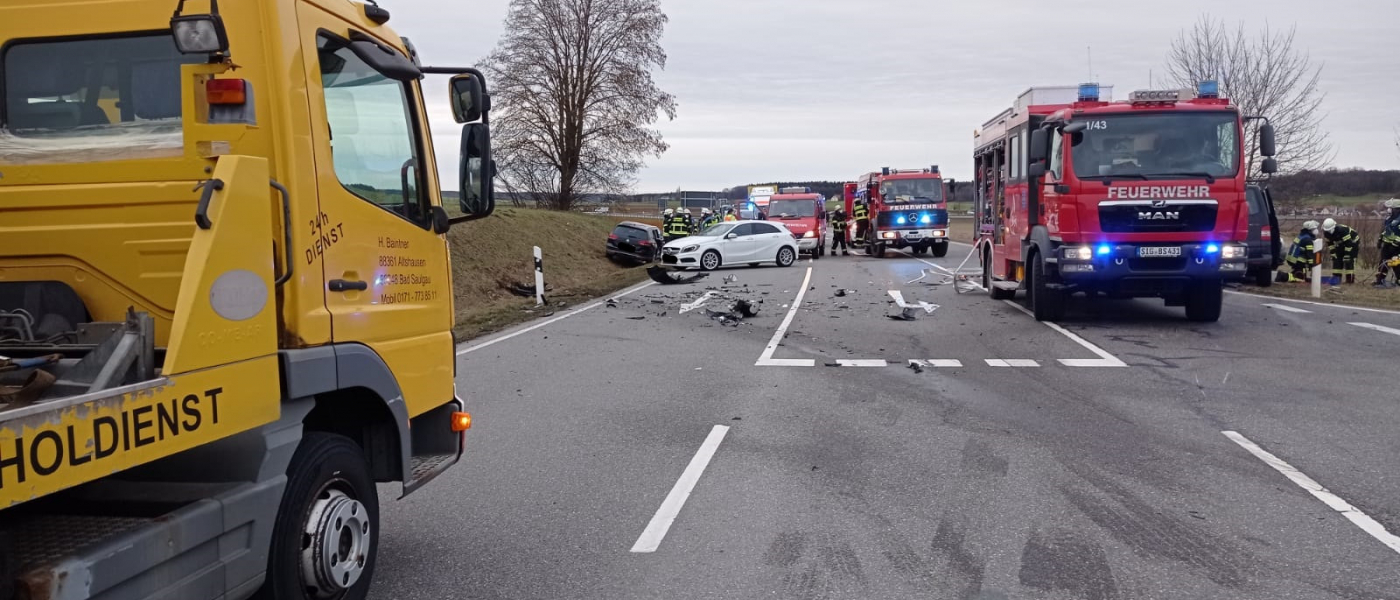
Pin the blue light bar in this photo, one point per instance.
(1104, 249)
(1208, 89)
(1088, 92)
(900, 221)
(1212, 248)
(925, 219)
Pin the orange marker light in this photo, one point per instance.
(461, 421)
(226, 91)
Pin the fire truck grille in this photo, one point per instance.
(1169, 216)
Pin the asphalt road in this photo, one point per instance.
(1088, 460)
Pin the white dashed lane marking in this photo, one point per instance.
(1012, 362)
(1286, 308)
(1375, 327)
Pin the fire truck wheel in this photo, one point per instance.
(939, 250)
(1047, 304)
(710, 260)
(987, 280)
(878, 250)
(786, 256)
(1204, 301)
(325, 539)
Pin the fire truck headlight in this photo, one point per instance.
(1234, 252)
(1079, 253)
(810, 234)
(889, 235)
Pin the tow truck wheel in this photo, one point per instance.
(325, 539)
(1048, 304)
(1204, 302)
(939, 249)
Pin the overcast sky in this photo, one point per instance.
(830, 89)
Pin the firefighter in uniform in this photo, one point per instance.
(861, 213)
(838, 233)
(1390, 244)
(729, 215)
(1344, 244)
(1301, 257)
(707, 219)
(678, 226)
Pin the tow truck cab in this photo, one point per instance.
(226, 305)
(1144, 197)
(804, 213)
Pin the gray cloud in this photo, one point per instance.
(830, 89)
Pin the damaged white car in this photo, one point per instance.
(730, 244)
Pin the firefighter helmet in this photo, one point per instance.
(668, 212)
(1310, 225)
(1392, 203)
(1329, 225)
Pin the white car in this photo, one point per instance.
(729, 244)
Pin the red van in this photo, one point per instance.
(804, 212)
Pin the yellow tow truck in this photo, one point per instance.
(225, 295)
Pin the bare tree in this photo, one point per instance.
(575, 98)
(1265, 75)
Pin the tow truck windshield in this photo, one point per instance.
(1152, 146)
(912, 190)
(792, 209)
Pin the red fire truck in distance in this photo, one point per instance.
(1137, 198)
(908, 209)
(804, 213)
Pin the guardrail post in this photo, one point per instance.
(539, 277)
(1317, 268)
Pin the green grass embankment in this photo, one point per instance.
(491, 254)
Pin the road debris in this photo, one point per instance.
(731, 278)
(669, 277)
(915, 367)
(841, 293)
(744, 308)
(908, 314)
(637, 318)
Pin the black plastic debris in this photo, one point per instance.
(913, 366)
(658, 301)
(908, 314)
(637, 318)
(841, 293)
(612, 303)
(668, 276)
(731, 278)
(744, 309)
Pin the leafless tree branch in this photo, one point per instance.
(572, 80)
(1265, 75)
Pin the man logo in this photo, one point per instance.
(1160, 215)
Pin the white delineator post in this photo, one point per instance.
(1317, 268)
(539, 277)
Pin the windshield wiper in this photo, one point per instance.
(1194, 175)
(1108, 179)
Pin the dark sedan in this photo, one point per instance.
(634, 242)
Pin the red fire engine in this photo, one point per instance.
(1137, 198)
(804, 213)
(908, 209)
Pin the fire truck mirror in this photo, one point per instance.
(1076, 127)
(1035, 170)
(1270, 166)
(1266, 139)
(1040, 146)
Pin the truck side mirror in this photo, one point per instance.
(476, 173)
(1035, 170)
(952, 186)
(1270, 165)
(1040, 146)
(1266, 140)
(469, 99)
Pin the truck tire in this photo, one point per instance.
(325, 539)
(878, 250)
(1263, 278)
(939, 249)
(1204, 302)
(710, 260)
(989, 281)
(1047, 304)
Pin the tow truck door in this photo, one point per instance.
(388, 281)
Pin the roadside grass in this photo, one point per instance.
(491, 254)
(1360, 294)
